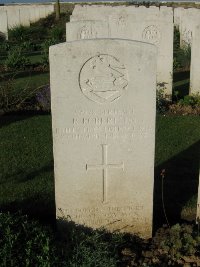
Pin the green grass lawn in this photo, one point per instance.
(177, 151)
(26, 160)
(35, 59)
(31, 81)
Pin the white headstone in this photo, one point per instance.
(3, 23)
(24, 16)
(178, 13)
(189, 20)
(42, 12)
(13, 16)
(195, 61)
(103, 116)
(87, 29)
(49, 9)
(153, 25)
(37, 12)
(33, 17)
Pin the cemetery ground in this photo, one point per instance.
(27, 179)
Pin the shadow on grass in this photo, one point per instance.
(180, 184)
(181, 85)
(84, 237)
(29, 176)
(14, 116)
(6, 119)
(22, 74)
(39, 206)
(180, 76)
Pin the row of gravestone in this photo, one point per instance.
(16, 15)
(153, 24)
(103, 97)
(188, 23)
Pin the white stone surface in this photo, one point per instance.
(49, 9)
(189, 20)
(34, 14)
(37, 13)
(24, 15)
(3, 23)
(87, 29)
(153, 25)
(178, 12)
(103, 116)
(13, 16)
(42, 12)
(195, 61)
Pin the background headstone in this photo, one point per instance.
(13, 16)
(195, 61)
(153, 25)
(87, 29)
(190, 18)
(103, 116)
(3, 23)
(24, 15)
(178, 13)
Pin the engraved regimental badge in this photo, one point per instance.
(103, 79)
(151, 34)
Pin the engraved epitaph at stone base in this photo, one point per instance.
(104, 145)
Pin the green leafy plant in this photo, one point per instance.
(45, 51)
(180, 240)
(18, 34)
(26, 98)
(161, 102)
(37, 33)
(28, 46)
(16, 60)
(5, 96)
(91, 248)
(21, 34)
(57, 33)
(183, 57)
(25, 243)
(2, 37)
(176, 39)
(189, 105)
(190, 100)
(4, 47)
(176, 64)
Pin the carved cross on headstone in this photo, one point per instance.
(104, 167)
